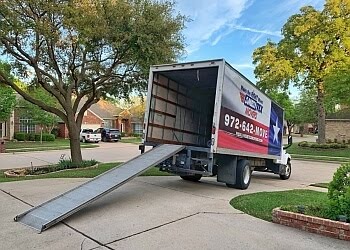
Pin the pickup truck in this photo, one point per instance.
(88, 135)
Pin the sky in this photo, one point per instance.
(233, 29)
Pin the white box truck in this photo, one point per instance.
(230, 128)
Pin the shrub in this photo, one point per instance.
(335, 146)
(55, 131)
(31, 137)
(122, 134)
(136, 135)
(339, 192)
(335, 140)
(48, 137)
(19, 136)
(69, 164)
(348, 141)
(37, 137)
(303, 144)
(329, 140)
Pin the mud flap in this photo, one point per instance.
(227, 165)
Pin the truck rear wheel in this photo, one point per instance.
(243, 175)
(194, 178)
(288, 171)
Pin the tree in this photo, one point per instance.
(136, 106)
(290, 114)
(44, 119)
(337, 85)
(314, 43)
(8, 98)
(86, 49)
(306, 108)
(7, 102)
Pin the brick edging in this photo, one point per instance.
(325, 227)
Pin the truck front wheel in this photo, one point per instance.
(287, 172)
(194, 178)
(243, 174)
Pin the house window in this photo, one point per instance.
(26, 125)
(137, 128)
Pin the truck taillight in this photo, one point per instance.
(213, 129)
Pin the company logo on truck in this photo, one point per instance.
(252, 101)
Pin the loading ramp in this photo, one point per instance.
(53, 211)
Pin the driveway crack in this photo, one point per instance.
(170, 222)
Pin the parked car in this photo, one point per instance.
(88, 135)
(109, 134)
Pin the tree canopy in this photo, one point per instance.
(86, 49)
(45, 119)
(314, 43)
(7, 97)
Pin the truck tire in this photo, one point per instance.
(243, 174)
(84, 140)
(288, 171)
(194, 178)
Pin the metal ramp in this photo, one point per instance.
(53, 211)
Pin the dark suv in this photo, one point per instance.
(109, 134)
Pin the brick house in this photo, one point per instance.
(108, 115)
(17, 122)
(338, 125)
(101, 114)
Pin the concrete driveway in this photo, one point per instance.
(161, 213)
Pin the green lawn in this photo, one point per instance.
(134, 140)
(260, 205)
(20, 146)
(295, 149)
(80, 173)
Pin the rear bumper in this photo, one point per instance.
(93, 139)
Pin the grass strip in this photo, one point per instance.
(133, 140)
(260, 205)
(321, 158)
(18, 150)
(333, 153)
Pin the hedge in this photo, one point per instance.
(20, 136)
(305, 144)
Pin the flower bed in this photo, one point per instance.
(14, 173)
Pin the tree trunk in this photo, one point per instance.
(321, 113)
(75, 149)
(290, 127)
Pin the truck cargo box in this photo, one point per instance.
(210, 104)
